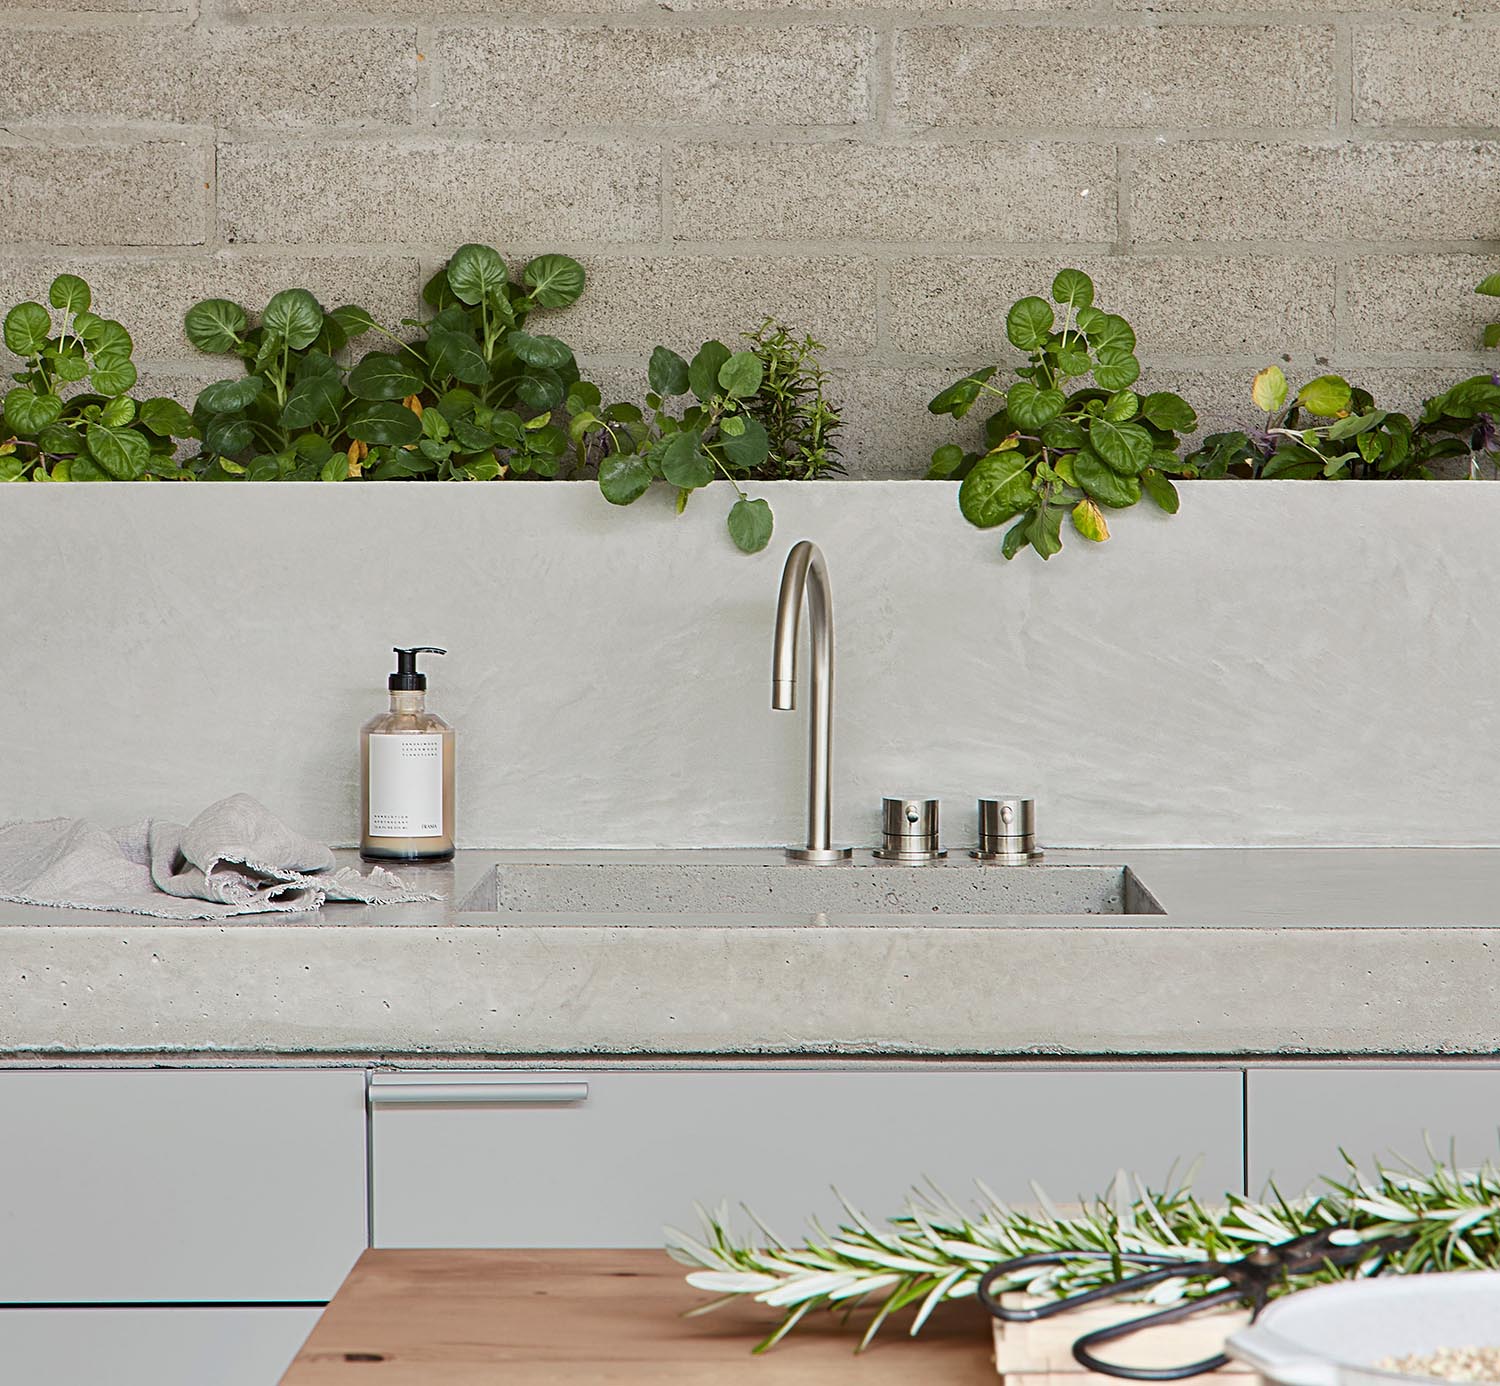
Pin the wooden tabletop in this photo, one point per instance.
(601, 1318)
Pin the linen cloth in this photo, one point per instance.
(235, 857)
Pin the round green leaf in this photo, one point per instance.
(1103, 483)
(1160, 490)
(945, 461)
(547, 352)
(541, 389)
(959, 397)
(167, 419)
(60, 439)
(454, 354)
(667, 373)
(1073, 287)
(1116, 368)
(109, 338)
(28, 413)
(69, 293)
(122, 452)
(555, 281)
(27, 327)
(683, 462)
(1033, 408)
(112, 373)
(118, 412)
(998, 487)
(230, 396)
(386, 422)
(1328, 396)
(295, 316)
(750, 447)
(1064, 435)
(1126, 447)
(1169, 411)
(1028, 325)
(353, 320)
(1268, 389)
(703, 374)
(215, 325)
(1122, 405)
(314, 399)
(1110, 332)
(476, 273)
(750, 524)
(741, 375)
(380, 375)
(70, 363)
(227, 437)
(1489, 285)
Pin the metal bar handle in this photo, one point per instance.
(481, 1093)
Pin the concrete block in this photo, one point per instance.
(1447, 8)
(1022, 191)
(63, 7)
(1377, 191)
(443, 192)
(151, 193)
(888, 432)
(261, 76)
(595, 8)
(522, 77)
(1406, 75)
(632, 303)
(1417, 302)
(1112, 76)
(150, 295)
(1177, 304)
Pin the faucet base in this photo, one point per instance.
(820, 856)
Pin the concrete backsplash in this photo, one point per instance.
(1244, 178)
(1283, 662)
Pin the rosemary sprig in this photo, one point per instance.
(935, 1252)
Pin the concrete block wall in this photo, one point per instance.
(1245, 178)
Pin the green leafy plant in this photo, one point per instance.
(1328, 430)
(99, 432)
(472, 398)
(936, 1252)
(793, 406)
(1462, 419)
(1489, 286)
(1051, 452)
(716, 435)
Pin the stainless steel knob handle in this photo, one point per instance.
(909, 830)
(1007, 830)
(480, 1093)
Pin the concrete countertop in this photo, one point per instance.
(1259, 952)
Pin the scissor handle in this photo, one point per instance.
(1083, 1349)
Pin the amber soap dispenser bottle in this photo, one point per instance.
(406, 772)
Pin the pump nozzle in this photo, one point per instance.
(406, 678)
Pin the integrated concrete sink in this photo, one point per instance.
(957, 886)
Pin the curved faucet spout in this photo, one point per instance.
(804, 581)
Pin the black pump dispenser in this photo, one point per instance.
(406, 679)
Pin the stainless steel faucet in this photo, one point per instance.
(806, 577)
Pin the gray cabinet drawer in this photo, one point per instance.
(150, 1347)
(133, 1186)
(1299, 1119)
(518, 1159)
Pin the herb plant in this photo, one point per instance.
(716, 435)
(1050, 452)
(793, 406)
(473, 398)
(99, 433)
(936, 1252)
(1328, 430)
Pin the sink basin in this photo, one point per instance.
(957, 886)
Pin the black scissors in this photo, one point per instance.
(1251, 1279)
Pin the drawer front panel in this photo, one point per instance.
(1299, 1119)
(150, 1347)
(531, 1161)
(134, 1186)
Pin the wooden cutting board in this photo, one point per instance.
(600, 1318)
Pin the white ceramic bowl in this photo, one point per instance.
(1333, 1334)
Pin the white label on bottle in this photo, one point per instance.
(406, 785)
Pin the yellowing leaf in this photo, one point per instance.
(354, 455)
(414, 404)
(1268, 389)
(1089, 521)
(1006, 444)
